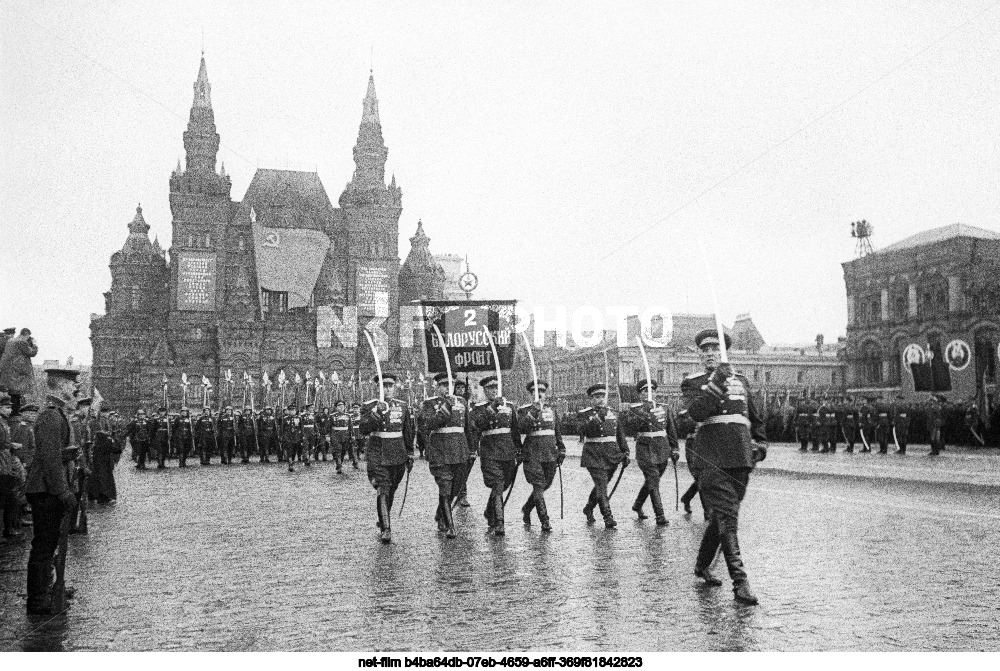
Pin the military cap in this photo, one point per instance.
(355, 405)
(339, 402)
(307, 406)
(542, 385)
(386, 377)
(207, 407)
(31, 407)
(291, 407)
(4, 399)
(64, 373)
(10, 330)
(597, 389)
(711, 337)
(489, 381)
(459, 382)
(642, 384)
(84, 402)
(441, 377)
(161, 410)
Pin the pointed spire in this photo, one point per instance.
(138, 224)
(421, 276)
(138, 235)
(420, 256)
(370, 114)
(202, 89)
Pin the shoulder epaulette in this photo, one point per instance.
(480, 404)
(526, 405)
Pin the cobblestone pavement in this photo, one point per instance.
(251, 557)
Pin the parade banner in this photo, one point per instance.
(461, 324)
(196, 281)
(372, 282)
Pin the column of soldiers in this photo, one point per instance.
(871, 424)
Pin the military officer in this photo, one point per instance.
(389, 430)
(357, 440)
(310, 436)
(935, 422)
(849, 424)
(323, 433)
(342, 435)
(159, 428)
(291, 436)
(866, 426)
(499, 446)
(604, 447)
(728, 443)
(828, 422)
(655, 447)
(445, 418)
(901, 422)
(139, 434)
(246, 433)
(462, 391)
(883, 425)
(803, 423)
(204, 435)
(227, 435)
(267, 435)
(542, 451)
(183, 436)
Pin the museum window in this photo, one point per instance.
(767, 376)
(274, 301)
(870, 365)
(659, 376)
(833, 378)
(800, 377)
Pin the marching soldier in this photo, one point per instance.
(462, 391)
(323, 431)
(727, 447)
(445, 418)
(901, 420)
(655, 447)
(849, 424)
(341, 435)
(309, 435)
(204, 433)
(496, 438)
(542, 451)
(867, 419)
(246, 433)
(883, 428)
(604, 448)
(291, 436)
(357, 439)
(183, 435)
(267, 435)
(390, 448)
(227, 435)
(803, 423)
(139, 434)
(159, 428)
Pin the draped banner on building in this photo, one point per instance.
(196, 281)
(461, 323)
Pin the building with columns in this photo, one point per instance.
(923, 315)
(263, 284)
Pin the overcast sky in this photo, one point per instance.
(577, 152)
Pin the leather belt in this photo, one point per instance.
(902, 414)
(543, 432)
(388, 434)
(652, 434)
(496, 432)
(340, 428)
(450, 429)
(602, 439)
(727, 419)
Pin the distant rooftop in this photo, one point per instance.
(941, 234)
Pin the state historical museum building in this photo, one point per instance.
(254, 285)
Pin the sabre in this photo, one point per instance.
(894, 438)
(620, 474)
(496, 361)
(864, 439)
(447, 362)
(378, 365)
(406, 488)
(723, 354)
(531, 359)
(677, 500)
(649, 397)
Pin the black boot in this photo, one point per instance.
(498, 521)
(439, 517)
(40, 588)
(706, 555)
(383, 515)
(661, 519)
(734, 561)
(639, 501)
(605, 507)
(742, 593)
(526, 510)
(543, 514)
(448, 519)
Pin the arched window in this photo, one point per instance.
(870, 364)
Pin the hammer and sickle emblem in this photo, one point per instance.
(272, 239)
